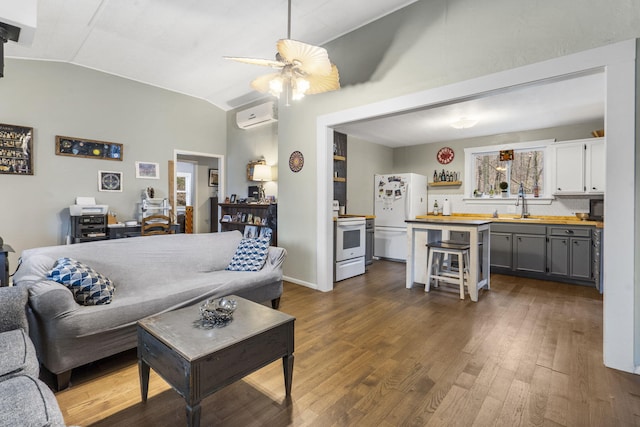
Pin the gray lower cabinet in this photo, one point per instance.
(501, 250)
(563, 253)
(570, 252)
(369, 239)
(530, 253)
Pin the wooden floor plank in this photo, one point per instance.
(372, 352)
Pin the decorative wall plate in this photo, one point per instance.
(445, 155)
(296, 161)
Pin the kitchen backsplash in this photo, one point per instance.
(560, 207)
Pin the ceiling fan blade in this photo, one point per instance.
(256, 61)
(261, 84)
(326, 83)
(307, 58)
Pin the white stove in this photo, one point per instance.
(349, 247)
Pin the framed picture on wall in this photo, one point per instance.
(213, 177)
(110, 181)
(147, 170)
(16, 150)
(88, 148)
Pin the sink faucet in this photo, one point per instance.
(524, 213)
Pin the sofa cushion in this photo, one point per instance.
(27, 401)
(250, 255)
(18, 355)
(88, 286)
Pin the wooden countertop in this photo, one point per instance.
(513, 218)
(354, 215)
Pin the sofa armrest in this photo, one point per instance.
(275, 258)
(13, 304)
(49, 299)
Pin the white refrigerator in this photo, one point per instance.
(397, 197)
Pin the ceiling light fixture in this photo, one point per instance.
(464, 123)
(304, 69)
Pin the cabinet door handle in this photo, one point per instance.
(559, 189)
(593, 188)
(568, 231)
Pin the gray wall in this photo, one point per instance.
(246, 145)
(64, 99)
(364, 160)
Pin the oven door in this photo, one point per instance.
(350, 238)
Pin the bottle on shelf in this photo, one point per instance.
(435, 176)
(435, 208)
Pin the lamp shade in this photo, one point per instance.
(262, 173)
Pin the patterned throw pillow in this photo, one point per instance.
(250, 255)
(87, 285)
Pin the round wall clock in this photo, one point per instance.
(296, 161)
(445, 155)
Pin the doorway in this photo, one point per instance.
(192, 186)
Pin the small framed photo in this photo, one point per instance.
(243, 217)
(266, 232)
(238, 216)
(147, 170)
(226, 218)
(110, 181)
(232, 199)
(257, 220)
(213, 177)
(250, 218)
(250, 232)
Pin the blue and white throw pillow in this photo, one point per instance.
(87, 285)
(250, 255)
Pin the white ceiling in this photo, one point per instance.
(545, 105)
(179, 45)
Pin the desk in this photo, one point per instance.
(120, 232)
(422, 231)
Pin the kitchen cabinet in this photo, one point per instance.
(579, 167)
(570, 251)
(501, 249)
(518, 248)
(369, 241)
(529, 252)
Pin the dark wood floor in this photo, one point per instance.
(372, 353)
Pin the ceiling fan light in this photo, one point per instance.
(276, 86)
(464, 123)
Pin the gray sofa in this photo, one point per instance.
(24, 399)
(151, 275)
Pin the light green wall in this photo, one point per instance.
(435, 42)
(364, 160)
(64, 99)
(245, 145)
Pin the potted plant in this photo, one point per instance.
(503, 188)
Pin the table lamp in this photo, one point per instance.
(262, 174)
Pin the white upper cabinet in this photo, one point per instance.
(579, 167)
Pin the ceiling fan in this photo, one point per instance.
(304, 69)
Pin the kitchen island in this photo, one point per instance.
(423, 231)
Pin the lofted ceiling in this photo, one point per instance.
(179, 44)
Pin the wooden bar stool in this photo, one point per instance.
(441, 268)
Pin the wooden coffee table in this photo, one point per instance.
(197, 361)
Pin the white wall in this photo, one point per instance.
(64, 99)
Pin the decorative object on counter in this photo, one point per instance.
(296, 161)
(503, 188)
(435, 208)
(150, 193)
(445, 155)
(16, 149)
(110, 181)
(88, 148)
(446, 207)
(598, 133)
(582, 216)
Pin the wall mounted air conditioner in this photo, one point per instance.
(258, 115)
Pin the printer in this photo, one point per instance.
(87, 206)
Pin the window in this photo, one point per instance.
(487, 171)
(183, 190)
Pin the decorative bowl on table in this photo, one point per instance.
(218, 310)
(582, 216)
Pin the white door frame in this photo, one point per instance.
(618, 60)
(221, 169)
